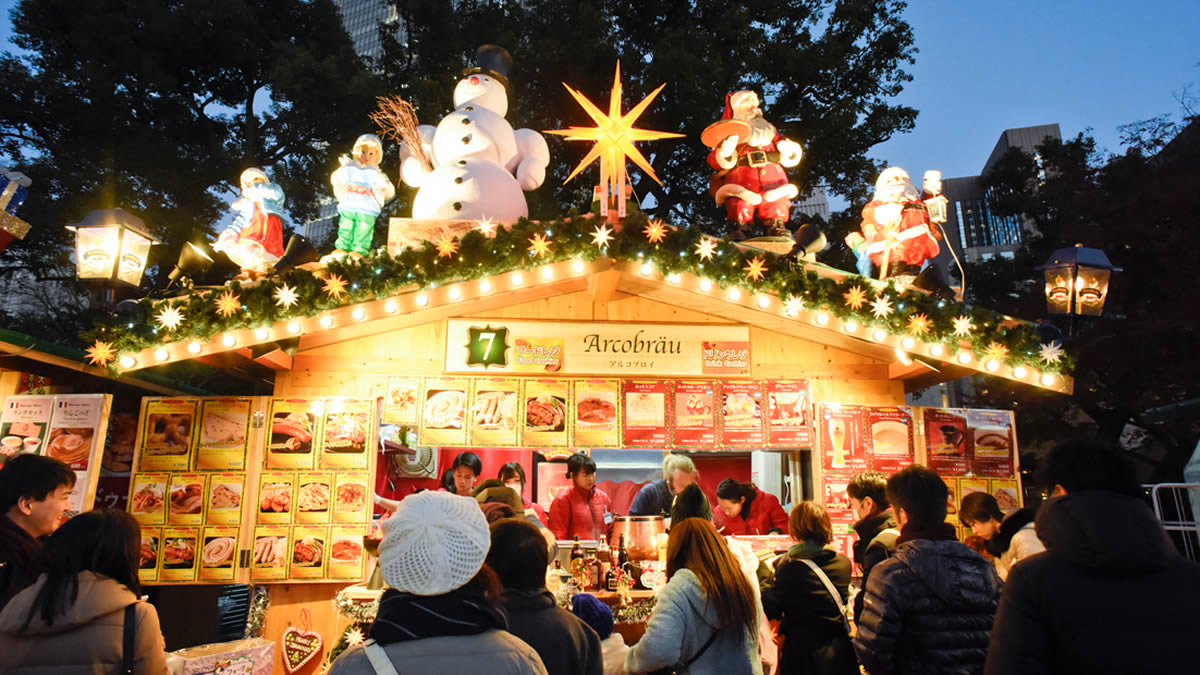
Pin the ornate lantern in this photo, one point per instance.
(1077, 281)
(112, 245)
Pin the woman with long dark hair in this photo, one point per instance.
(706, 618)
(73, 619)
(513, 475)
(744, 509)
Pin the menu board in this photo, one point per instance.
(218, 557)
(545, 413)
(695, 414)
(842, 445)
(308, 551)
(185, 500)
(276, 497)
(444, 411)
(1008, 498)
(167, 433)
(147, 497)
(78, 425)
(742, 414)
(789, 422)
(177, 561)
(346, 554)
(494, 409)
(946, 441)
(645, 413)
(225, 496)
(991, 439)
(312, 496)
(836, 503)
(224, 428)
(148, 556)
(293, 430)
(345, 433)
(351, 497)
(597, 415)
(889, 438)
(400, 403)
(269, 557)
(24, 423)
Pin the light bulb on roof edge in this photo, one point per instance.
(391, 307)
(195, 347)
(879, 335)
(261, 333)
(293, 327)
(359, 314)
(822, 318)
(485, 286)
(128, 362)
(421, 300)
(517, 279)
(326, 321)
(734, 294)
(992, 365)
(647, 269)
(964, 357)
(1047, 380)
(455, 294)
(936, 350)
(850, 326)
(705, 285)
(1019, 372)
(577, 266)
(162, 354)
(763, 301)
(674, 278)
(908, 343)
(229, 340)
(547, 273)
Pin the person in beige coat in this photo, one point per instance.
(72, 620)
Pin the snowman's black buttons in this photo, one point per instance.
(457, 206)
(462, 162)
(470, 108)
(458, 181)
(466, 140)
(466, 120)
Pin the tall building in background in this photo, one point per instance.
(362, 20)
(815, 203)
(971, 226)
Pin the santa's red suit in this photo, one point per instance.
(912, 241)
(758, 171)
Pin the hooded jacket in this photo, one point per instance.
(1110, 594)
(929, 608)
(565, 643)
(87, 638)
(815, 639)
(680, 625)
(875, 543)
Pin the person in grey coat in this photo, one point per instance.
(706, 617)
(443, 612)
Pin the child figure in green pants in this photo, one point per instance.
(362, 190)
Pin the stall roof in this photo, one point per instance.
(918, 361)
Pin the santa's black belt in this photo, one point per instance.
(758, 158)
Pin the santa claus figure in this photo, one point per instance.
(254, 240)
(749, 161)
(896, 235)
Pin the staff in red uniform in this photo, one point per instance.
(581, 510)
(744, 509)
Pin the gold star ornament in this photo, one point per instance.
(793, 306)
(601, 236)
(227, 304)
(169, 318)
(706, 247)
(446, 246)
(101, 353)
(963, 326)
(539, 245)
(856, 297)
(995, 351)
(881, 307)
(487, 227)
(756, 268)
(335, 286)
(918, 324)
(655, 231)
(614, 136)
(1050, 354)
(285, 296)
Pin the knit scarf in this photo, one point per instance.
(926, 531)
(805, 549)
(463, 611)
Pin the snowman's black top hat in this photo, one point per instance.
(494, 61)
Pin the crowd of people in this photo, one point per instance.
(1088, 582)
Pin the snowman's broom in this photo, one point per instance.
(397, 120)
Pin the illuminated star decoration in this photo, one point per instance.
(601, 236)
(793, 306)
(918, 324)
(856, 297)
(285, 296)
(486, 226)
(169, 318)
(963, 326)
(706, 247)
(995, 352)
(539, 245)
(1051, 354)
(614, 135)
(755, 268)
(655, 231)
(446, 246)
(881, 307)
(228, 303)
(101, 353)
(354, 636)
(335, 286)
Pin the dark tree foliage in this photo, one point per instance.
(1140, 356)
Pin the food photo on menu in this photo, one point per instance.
(21, 437)
(270, 551)
(346, 432)
(276, 498)
(495, 410)
(741, 409)
(225, 496)
(788, 408)
(148, 554)
(70, 445)
(168, 433)
(292, 432)
(445, 409)
(179, 552)
(345, 550)
(147, 497)
(313, 497)
(401, 402)
(221, 428)
(645, 409)
(545, 412)
(219, 552)
(597, 409)
(351, 497)
(308, 552)
(187, 498)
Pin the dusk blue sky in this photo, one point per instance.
(987, 66)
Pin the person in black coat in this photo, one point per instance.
(811, 622)
(1110, 594)
(876, 527)
(519, 555)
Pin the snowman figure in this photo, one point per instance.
(480, 165)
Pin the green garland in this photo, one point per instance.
(357, 611)
(381, 275)
(260, 600)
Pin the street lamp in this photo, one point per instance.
(1077, 281)
(112, 245)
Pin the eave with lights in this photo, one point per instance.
(898, 330)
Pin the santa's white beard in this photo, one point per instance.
(762, 132)
(905, 192)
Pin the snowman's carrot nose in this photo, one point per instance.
(474, 80)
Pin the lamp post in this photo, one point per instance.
(1077, 282)
(111, 248)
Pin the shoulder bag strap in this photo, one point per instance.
(379, 659)
(127, 639)
(682, 667)
(833, 593)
